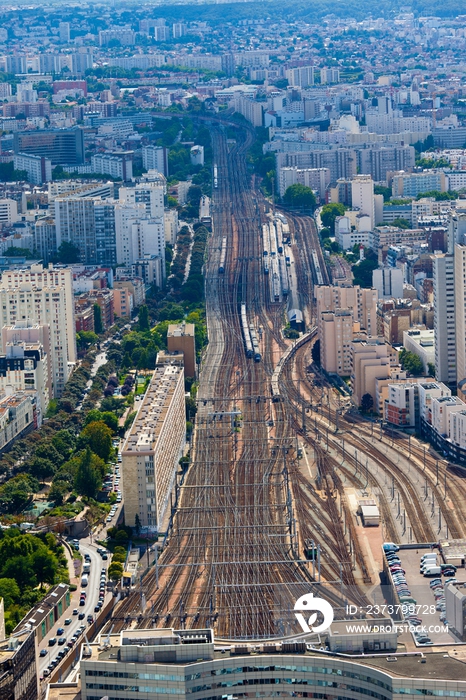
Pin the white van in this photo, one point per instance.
(84, 580)
(433, 571)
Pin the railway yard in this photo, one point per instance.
(277, 451)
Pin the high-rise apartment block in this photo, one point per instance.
(89, 224)
(151, 194)
(362, 196)
(300, 77)
(444, 318)
(38, 168)
(155, 158)
(38, 296)
(64, 32)
(153, 447)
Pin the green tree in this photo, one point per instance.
(58, 490)
(411, 362)
(88, 479)
(98, 323)
(300, 197)
(98, 436)
(115, 571)
(9, 591)
(329, 213)
(143, 315)
(401, 223)
(67, 253)
(431, 367)
(21, 570)
(41, 468)
(109, 418)
(315, 352)
(367, 403)
(45, 566)
(84, 339)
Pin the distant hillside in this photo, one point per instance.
(305, 10)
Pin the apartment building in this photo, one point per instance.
(181, 338)
(303, 76)
(412, 184)
(444, 318)
(150, 194)
(362, 303)
(44, 297)
(316, 178)
(388, 282)
(25, 366)
(8, 211)
(336, 333)
(38, 168)
(155, 158)
(119, 166)
(371, 359)
(17, 417)
(153, 447)
(89, 224)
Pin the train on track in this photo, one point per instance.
(249, 336)
(273, 258)
(215, 177)
(223, 255)
(317, 271)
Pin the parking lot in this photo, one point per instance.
(421, 591)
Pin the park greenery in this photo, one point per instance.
(299, 197)
(329, 213)
(29, 563)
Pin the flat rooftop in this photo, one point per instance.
(153, 410)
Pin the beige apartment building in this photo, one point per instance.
(181, 338)
(153, 447)
(337, 330)
(371, 359)
(341, 313)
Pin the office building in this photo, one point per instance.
(444, 318)
(388, 282)
(179, 664)
(62, 146)
(8, 211)
(181, 338)
(119, 166)
(155, 158)
(38, 168)
(153, 447)
(38, 296)
(300, 77)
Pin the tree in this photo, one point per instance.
(329, 213)
(109, 418)
(9, 591)
(98, 323)
(367, 402)
(431, 367)
(67, 253)
(88, 480)
(20, 569)
(137, 524)
(58, 490)
(299, 196)
(45, 565)
(143, 314)
(412, 363)
(41, 468)
(98, 436)
(115, 571)
(84, 339)
(315, 352)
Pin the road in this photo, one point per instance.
(92, 590)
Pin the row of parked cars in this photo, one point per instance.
(404, 594)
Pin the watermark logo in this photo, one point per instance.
(308, 603)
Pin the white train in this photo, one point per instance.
(223, 255)
(246, 333)
(215, 177)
